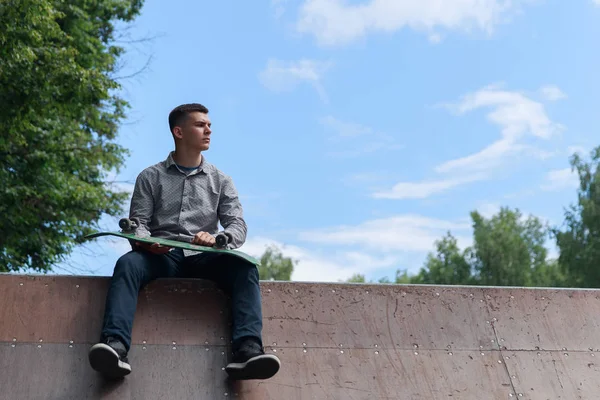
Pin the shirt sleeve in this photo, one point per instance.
(231, 214)
(142, 204)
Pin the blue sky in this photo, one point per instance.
(358, 132)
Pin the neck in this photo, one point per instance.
(189, 158)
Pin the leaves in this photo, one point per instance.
(58, 120)
(274, 266)
(447, 266)
(579, 240)
(507, 250)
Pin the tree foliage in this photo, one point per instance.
(507, 250)
(58, 121)
(448, 265)
(275, 266)
(579, 239)
(357, 278)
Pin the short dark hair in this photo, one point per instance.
(180, 113)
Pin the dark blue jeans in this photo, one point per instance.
(236, 277)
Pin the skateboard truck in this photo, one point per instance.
(222, 240)
(129, 225)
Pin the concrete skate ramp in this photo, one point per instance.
(336, 341)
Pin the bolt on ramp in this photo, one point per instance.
(335, 341)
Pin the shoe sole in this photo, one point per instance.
(259, 367)
(105, 360)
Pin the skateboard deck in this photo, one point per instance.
(177, 244)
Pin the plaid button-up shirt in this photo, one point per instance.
(175, 204)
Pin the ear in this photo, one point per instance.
(177, 132)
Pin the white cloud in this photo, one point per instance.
(334, 266)
(367, 177)
(435, 38)
(402, 233)
(517, 116)
(552, 92)
(395, 242)
(488, 210)
(335, 254)
(283, 76)
(560, 179)
(278, 7)
(346, 129)
(365, 149)
(421, 190)
(520, 119)
(513, 111)
(334, 22)
(596, 2)
(581, 150)
(346, 132)
(316, 265)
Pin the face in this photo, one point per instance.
(194, 132)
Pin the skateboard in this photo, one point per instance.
(128, 227)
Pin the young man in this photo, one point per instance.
(183, 198)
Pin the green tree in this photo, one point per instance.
(550, 275)
(402, 277)
(360, 278)
(579, 240)
(357, 278)
(508, 250)
(448, 266)
(275, 266)
(58, 122)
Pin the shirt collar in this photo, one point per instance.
(170, 162)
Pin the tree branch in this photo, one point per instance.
(138, 72)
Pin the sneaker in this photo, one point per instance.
(251, 362)
(109, 357)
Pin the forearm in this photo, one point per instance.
(237, 228)
(231, 215)
(142, 206)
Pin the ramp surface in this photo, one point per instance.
(335, 341)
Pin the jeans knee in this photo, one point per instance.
(247, 272)
(129, 265)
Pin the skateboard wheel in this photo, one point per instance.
(125, 224)
(221, 240)
(129, 224)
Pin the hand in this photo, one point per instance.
(204, 239)
(154, 248)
